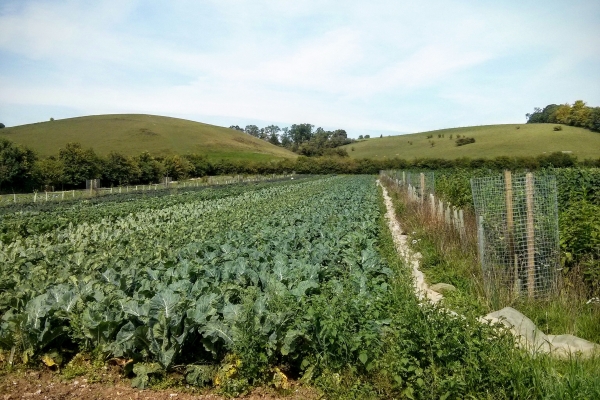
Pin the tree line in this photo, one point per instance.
(302, 139)
(22, 170)
(577, 114)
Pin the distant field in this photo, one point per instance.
(133, 134)
(490, 141)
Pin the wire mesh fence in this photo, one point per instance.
(517, 223)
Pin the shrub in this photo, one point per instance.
(464, 140)
(558, 128)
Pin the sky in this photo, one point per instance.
(369, 67)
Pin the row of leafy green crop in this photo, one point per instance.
(197, 281)
(23, 220)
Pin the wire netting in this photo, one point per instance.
(517, 222)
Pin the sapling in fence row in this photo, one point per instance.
(517, 217)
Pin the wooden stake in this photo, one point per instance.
(530, 235)
(461, 224)
(422, 187)
(432, 203)
(456, 224)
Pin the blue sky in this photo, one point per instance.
(378, 67)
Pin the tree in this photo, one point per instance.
(367, 136)
(580, 114)
(286, 139)
(301, 133)
(201, 166)
(16, 163)
(178, 167)
(48, 171)
(360, 137)
(252, 130)
(120, 170)
(594, 121)
(562, 114)
(151, 170)
(270, 133)
(78, 164)
(273, 139)
(2, 126)
(236, 127)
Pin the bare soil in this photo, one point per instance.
(49, 385)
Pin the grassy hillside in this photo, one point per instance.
(133, 134)
(490, 141)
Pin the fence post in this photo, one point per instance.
(63, 195)
(422, 187)
(448, 221)
(432, 202)
(480, 243)
(461, 224)
(73, 193)
(440, 214)
(530, 235)
(15, 197)
(456, 222)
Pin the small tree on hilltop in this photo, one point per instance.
(2, 126)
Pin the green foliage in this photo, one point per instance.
(15, 162)
(242, 282)
(464, 140)
(178, 167)
(120, 170)
(78, 164)
(150, 169)
(580, 240)
(557, 128)
(578, 114)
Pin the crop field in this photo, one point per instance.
(247, 285)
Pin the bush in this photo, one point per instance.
(464, 140)
(580, 240)
(558, 128)
(2, 126)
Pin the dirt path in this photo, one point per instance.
(412, 259)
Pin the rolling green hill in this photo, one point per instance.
(135, 133)
(490, 141)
